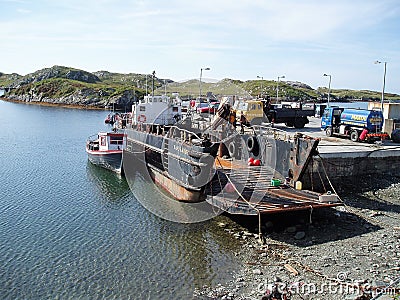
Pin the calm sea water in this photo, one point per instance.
(71, 230)
(361, 104)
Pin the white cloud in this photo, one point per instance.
(236, 38)
(287, 20)
(142, 14)
(23, 11)
(14, 1)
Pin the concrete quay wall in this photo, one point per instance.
(350, 167)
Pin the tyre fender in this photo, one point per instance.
(232, 149)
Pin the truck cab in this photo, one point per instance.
(253, 110)
(331, 117)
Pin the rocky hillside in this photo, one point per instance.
(69, 86)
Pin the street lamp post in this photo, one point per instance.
(277, 87)
(262, 78)
(153, 76)
(146, 84)
(201, 74)
(384, 81)
(329, 87)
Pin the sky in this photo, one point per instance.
(298, 39)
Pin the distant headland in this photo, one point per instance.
(65, 86)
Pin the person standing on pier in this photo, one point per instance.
(243, 122)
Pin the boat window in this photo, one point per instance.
(175, 108)
(142, 108)
(103, 140)
(116, 140)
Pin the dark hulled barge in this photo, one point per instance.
(197, 160)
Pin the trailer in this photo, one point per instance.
(292, 116)
(356, 124)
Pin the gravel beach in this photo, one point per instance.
(347, 252)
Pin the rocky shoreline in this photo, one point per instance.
(83, 98)
(348, 252)
(75, 106)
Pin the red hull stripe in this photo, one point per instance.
(104, 152)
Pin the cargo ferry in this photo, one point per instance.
(197, 159)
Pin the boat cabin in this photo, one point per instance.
(156, 110)
(110, 141)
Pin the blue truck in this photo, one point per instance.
(356, 124)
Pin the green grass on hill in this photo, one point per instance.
(56, 82)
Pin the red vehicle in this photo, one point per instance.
(210, 108)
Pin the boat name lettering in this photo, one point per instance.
(181, 149)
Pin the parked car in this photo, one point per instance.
(203, 108)
(210, 108)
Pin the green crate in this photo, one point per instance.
(275, 182)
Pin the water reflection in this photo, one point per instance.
(111, 186)
(72, 230)
(205, 250)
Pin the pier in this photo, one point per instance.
(345, 161)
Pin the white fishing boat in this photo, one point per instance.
(105, 149)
